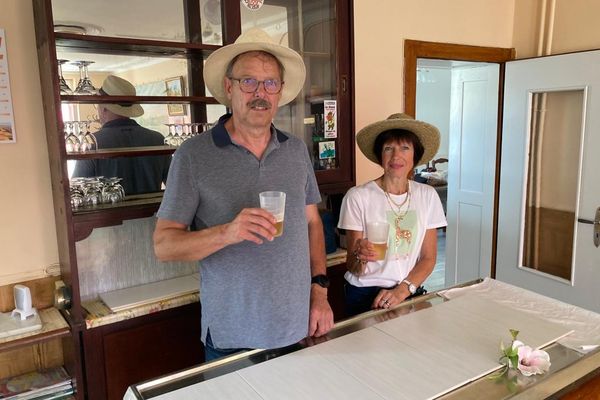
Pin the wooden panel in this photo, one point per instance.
(414, 49)
(27, 359)
(590, 390)
(42, 293)
(129, 46)
(549, 241)
(335, 293)
(125, 353)
(94, 99)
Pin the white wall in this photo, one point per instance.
(379, 48)
(26, 222)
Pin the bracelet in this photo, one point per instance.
(357, 260)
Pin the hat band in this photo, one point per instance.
(102, 92)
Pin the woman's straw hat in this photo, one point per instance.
(255, 40)
(428, 134)
(115, 86)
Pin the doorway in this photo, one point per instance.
(472, 178)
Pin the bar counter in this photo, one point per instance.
(568, 368)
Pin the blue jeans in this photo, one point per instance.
(360, 299)
(212, 353)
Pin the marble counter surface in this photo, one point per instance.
(375, 351)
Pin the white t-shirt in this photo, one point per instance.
(368, 203)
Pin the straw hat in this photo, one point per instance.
(115, 86)
(255, 40)
(428, 134)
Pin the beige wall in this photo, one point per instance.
(27, 235)
(379, 51)
(27, 224)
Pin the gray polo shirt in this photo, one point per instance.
(253, 296)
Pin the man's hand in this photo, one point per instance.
(252, 224)
(321, 317)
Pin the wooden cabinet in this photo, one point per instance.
(36, 350)
(123, 353)
(180, 35)
(335, 293)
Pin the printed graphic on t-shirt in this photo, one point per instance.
(404, 231)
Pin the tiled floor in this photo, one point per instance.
(437, 278)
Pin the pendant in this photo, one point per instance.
(402, 234)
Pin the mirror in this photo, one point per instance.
(555, 137)
(113, 18)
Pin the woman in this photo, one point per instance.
(412, 210)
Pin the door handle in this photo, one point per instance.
(596, 223)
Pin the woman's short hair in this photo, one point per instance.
(398, 135)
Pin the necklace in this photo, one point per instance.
(401, 234)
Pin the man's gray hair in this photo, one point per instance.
(229, 70)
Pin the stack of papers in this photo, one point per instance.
(53, 383)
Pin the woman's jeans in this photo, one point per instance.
(360, 299)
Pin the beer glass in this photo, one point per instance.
(274, 202)
(377, 233)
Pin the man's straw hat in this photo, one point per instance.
(115, 86)
(255, 40)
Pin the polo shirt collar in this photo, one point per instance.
(221, 136)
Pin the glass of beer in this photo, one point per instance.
(274, 202)
(377, 233)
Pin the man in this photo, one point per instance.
(142, 174)
(256, 290)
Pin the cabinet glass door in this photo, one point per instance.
(316, 115)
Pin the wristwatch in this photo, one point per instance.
(411, 288)
(321, 280)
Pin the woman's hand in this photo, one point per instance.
(387, 298)
(363, 253)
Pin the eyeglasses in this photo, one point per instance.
(250, 85)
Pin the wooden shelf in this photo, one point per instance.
(53, 326)
(94, 99)
(129, 46)
(133, 207)
(317, 54)
(122, 152)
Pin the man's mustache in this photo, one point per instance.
(259, 103)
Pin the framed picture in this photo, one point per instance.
(174, 87)
(7, 121)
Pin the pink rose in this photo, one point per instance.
(532, 362)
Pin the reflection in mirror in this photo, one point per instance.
(307, 26)
(555, 139)
(113, 18)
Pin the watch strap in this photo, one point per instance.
(321, 280)
(411, 287)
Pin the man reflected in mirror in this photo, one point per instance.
(142, 174)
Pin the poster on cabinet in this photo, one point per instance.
(7, 122)
(330, 118)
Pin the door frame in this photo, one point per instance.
(414, 49)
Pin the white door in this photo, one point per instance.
(471, 171)
(570, 165)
